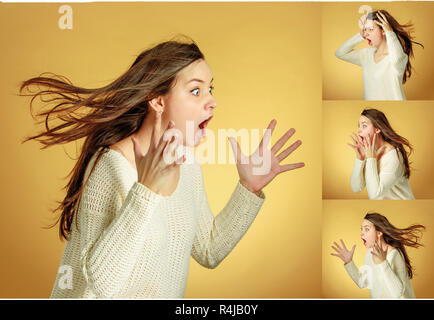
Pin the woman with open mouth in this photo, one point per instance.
(136, 207)
(385, 63)
(387, 270)
(381, 162)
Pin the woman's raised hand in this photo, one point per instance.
(261, 167)
(378, 253)
(343, 253)
(383, 22)
(362, 25)
(357, 146)
(154, 167)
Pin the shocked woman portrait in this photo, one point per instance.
(136, 207)
(387, 270)
(386, 62)
(381, 162)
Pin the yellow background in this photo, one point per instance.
(343, 80)
(411, 119)
(342, 220)
(266, 64)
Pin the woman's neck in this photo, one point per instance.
(144, 134)
(379, 141)
(382, 48)
(386, 246)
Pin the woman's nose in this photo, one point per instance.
(212, 103)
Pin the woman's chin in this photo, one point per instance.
(199, 136)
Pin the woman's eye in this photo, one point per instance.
(210, 89)
(195, 91)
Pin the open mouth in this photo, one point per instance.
(369, 41)
(364, 241)
(204, 123)
(201, 133)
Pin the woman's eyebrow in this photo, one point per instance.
(198, 80)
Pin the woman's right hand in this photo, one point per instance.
(156, 166)
(343, 253)
(357, 146)
(362, 25)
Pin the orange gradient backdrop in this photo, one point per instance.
(339, 22)
(259, 74)
(342, 220)
(411, 119)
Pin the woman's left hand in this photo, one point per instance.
(260, 168)
(383, 22)
(378, 253)
(369, 147)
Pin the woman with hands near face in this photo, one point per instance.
(136, 209)
(385, 62)
(381, 163)
(387, 270)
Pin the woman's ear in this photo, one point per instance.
(157, 104)
(376, 130)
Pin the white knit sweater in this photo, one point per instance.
(384, 180)
(388, 279)
(382, 80)
(134, 243)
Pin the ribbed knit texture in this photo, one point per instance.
(384, 180)
(134, 243)
(382, 80)
(388, 279)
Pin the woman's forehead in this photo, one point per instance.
(370, 23)
(367, 223)
(197, 70)
(364, 119)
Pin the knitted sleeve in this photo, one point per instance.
(377, 184)
(112, 229)
(357, 176)
(217, 236)
(396, 54)
(362, 277)
(394, 273)
(347, 53)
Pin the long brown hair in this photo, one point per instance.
(116, 110)
(398, 238)
(380, 121)
(403, 32)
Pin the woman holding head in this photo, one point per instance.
(381, 162)
(387, 269)
(386, 62)
(136, 207)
